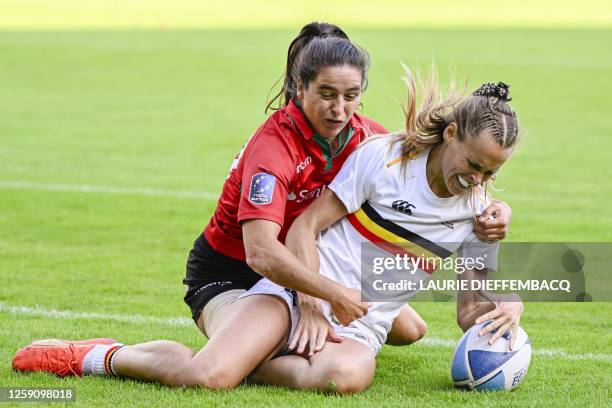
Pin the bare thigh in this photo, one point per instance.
(254, 329)
(218, 308)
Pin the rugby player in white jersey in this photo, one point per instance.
(417, 191)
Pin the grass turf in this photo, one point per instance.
(156, 14)
(171, 109)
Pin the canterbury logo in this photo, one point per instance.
(403, 206)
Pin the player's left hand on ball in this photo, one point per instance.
(506, 316)
(493, 223)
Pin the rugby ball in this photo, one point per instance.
(476, 365)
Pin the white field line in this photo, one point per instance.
(183, 322)
(66, 314)
(85, 188)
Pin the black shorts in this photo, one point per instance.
(210, 273)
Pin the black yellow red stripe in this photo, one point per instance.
(108, 366)
(403, 233)
(394, 238)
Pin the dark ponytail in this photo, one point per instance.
(318, 45)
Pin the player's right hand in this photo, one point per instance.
(506, 316)
(347, 306)
(312, 330)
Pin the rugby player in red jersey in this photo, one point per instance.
(283, 167)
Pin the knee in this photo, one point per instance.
(418, 331)
(217, 378)
(405, 334)
(348, 378)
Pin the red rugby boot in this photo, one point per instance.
(64, 358)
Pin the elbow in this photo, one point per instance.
(462, 323)
(299, 231)
(258, 258)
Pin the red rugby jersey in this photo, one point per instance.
(280, 170)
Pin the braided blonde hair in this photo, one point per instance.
(485, 109)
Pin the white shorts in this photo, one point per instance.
(356, 330)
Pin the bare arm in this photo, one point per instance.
(471, 304)
(313, 328)
(271, 259)
(267, 256)
(325, 210)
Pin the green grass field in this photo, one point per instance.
(245, 14)
(104, 133)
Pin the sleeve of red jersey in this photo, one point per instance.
(268, 170)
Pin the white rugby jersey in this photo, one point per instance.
(395, 210)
